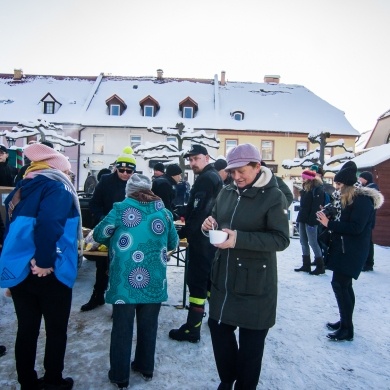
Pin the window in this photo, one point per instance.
(237, 116)
(98, 143)
(148, 111)
(115, 109)
(188, 112)
(49, 107)
(267, 150)
(172, 139)
(301, 146)
(328, 153)
(229, 144)
(135, 140)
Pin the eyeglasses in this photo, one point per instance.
(123, 170)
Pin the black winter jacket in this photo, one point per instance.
(310, 203)
(350, 238)
(165, 187)
(109, 190)
(203, 194)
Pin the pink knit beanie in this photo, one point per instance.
(45, 154)
(308, 175)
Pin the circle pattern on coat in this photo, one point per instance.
(125, 241)
(109, 230)
(159, 205)
(131, 217)
(139, 278)
(138, 256)
(158, 226)
(119, 302)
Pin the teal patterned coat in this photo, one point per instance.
(139, 235)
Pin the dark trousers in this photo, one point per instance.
(200, 257)
(101, 282)
(345, 297)
(240, 362)
(122, 339)
(33, 298)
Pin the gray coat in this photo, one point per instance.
(244, 278)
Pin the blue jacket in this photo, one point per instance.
(44, 226)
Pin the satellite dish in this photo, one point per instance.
(90, 184)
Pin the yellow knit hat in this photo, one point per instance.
(126, 159)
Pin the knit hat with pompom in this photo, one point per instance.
(126, 159)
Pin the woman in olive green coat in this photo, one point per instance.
(253, 212)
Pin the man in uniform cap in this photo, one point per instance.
(200, 252)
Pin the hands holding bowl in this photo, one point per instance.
(222, 239)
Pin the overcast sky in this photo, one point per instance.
(339, 49)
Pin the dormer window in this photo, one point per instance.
(188, 112)
(188, 108)
(115, 109)
(148, 111)
(116, 106)
(238, 115)
(50, 104)
(149, 106)
(48, 107)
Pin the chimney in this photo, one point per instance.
(269, 78)
(159, 74)
(18, 74)
(223, 77)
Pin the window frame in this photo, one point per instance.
(46, 106)
(96, 145)
(185, 110)
(133, 143)
(236, 115)
(112, 106)
(264, 156)
(227, 147)
(148, 107)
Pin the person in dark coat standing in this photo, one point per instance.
(312, 197)
(165, 186)
(158, 170)
(110, 189)
(220, 166)
(367, 180)
(7, 172)
(200, 252)
(349, 244)
(252, 211)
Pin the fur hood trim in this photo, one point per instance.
(376, 196)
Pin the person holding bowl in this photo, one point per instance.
(253, 211)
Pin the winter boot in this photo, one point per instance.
(190, 331)
(3, 350)
(333, 325)
(341, 334)
(320, 269)
(306, 265)
(95, 301)
(225, 386)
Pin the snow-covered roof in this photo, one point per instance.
(373, 157)
(266, 106)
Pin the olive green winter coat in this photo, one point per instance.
(244, 278)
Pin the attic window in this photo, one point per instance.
(238, 115)
(48, 108)
(148, 111)
(188, 112)
(115, 109)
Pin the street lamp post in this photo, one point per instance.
(10, 141)
(301, 152)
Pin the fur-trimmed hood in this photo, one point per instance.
(376, 196)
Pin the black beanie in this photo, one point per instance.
(347, 174)
(173, 170)
(367, 176)
(220, 164)
(159, 167)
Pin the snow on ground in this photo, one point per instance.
(297, 353)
